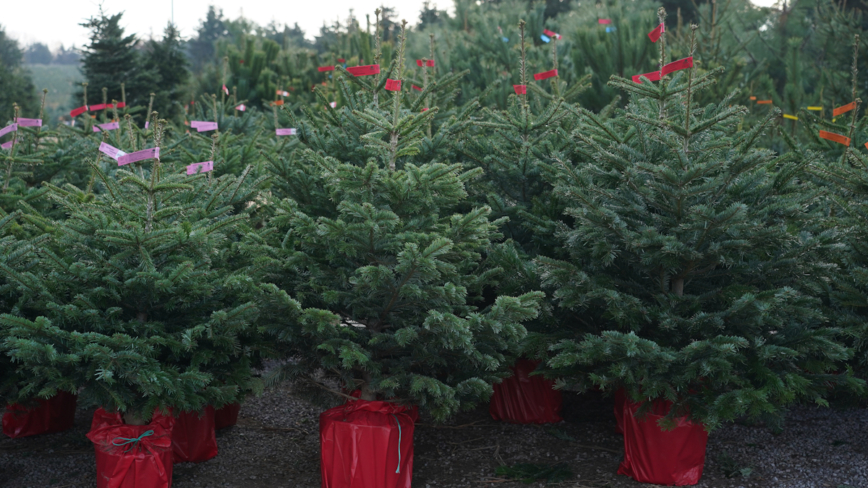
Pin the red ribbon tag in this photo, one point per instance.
(652, 76)
(370, 69)
(551, 34)
(424, 109)
(341, 60)
(677, 65)
(325, 68)
(122, 104)
(835, 137)
(843, 109)
(545, 75)
(655, 34)
(520, 89)
(429, 62)
(94, 108)
(78, 111)
(604, 21)
(417, 88)
(393, 85)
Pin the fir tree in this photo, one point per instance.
(16, 82)
(684, 243)
(167, 59)
(138, 293)
(111, 59)
(387, 259)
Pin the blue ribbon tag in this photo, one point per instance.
(546, 38)
(505, 39)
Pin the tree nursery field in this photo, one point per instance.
(588, 244)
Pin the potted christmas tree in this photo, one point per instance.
(684, 240)
(388, 259)
(136, 290)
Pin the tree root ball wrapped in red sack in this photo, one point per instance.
(367, 444)
(132, 456)
(620, 398)
(526, 399)
(653, 455)
(193, 437)
(53, 415)
(227, 416)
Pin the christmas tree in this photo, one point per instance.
(137, 295)
(387, 257)
(684, 241)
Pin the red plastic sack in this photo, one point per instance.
(193, 438)
(652, 455)
(132, 456)
(367, 445)
(226, 416)
(53, 415)
(525, 399)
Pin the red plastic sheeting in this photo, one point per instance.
(367, 444)
(652, 455)
(123, 462)
(53, 415)
(193, 438)
(226, 416)
(525, 399)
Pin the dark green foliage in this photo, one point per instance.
(138, 293)
(387, 258)
(167, 59)
(693, 260)
(111, 59)
(15, 80)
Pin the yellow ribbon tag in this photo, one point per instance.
(815, 109)
(791, 117)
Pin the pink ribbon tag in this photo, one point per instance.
(604, 21)
(6, 145)
(111, 151)
(241, 107)
(333, 104)
(203, 126)
(203, 167)
(286, 132)
(29, 122)
(8, 129)
(146, 124)
(108, 126)
(151, 153)
(225, 90)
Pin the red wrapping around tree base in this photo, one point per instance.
(653, 455)
(226, 416)
(525, 399)
(367, 445)
(123, 462)
(193, 438)
(53, 415)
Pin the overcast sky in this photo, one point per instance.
(54, 22)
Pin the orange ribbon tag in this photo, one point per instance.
(763, 102)
(843, 109)
(831, 136)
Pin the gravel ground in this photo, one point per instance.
(275, 444)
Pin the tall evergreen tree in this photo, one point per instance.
(211, 29)
(16, 81)
(111, 59)
(166, 57)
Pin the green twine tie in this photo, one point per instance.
(398, 471)
(135, 441)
